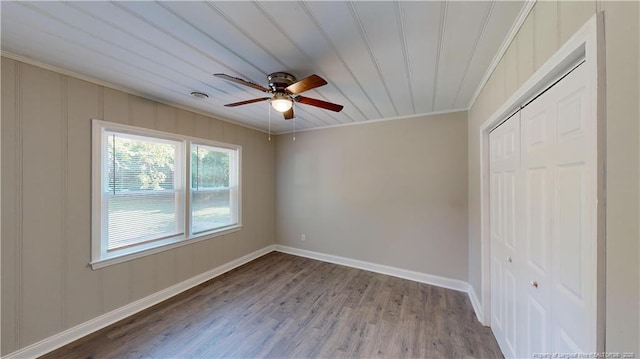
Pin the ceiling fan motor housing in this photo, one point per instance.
(279, 81)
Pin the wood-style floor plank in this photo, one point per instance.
(284, 306)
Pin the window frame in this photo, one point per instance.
(99, 256)
(105, 196)
(234, 189)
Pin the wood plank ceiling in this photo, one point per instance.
(382, 59)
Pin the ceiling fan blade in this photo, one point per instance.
(247, 102)
(319, 103)
(241, 81)
(288, 114)
(306, 84)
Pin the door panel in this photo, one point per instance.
(496, 208)
(569, 243)
(574, 237)
(558, 250)
(537, 218)
(508, 202)
(565, 343)
(505, 156)
(535, 131)
(571, 119)
(535, 202)
(497, 302)
(511, 294)
(536, 318)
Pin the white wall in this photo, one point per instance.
(391, 193)
(47, 285)
(547, 27)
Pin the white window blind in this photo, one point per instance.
(213, 188)
(142, 190)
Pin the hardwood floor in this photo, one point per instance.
(284, 306)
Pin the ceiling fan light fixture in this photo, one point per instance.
(281, 102)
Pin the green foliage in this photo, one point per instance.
(209, 168)
(136, 165)
(139, 165)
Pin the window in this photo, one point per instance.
(142, 190)
(150, 193)
(213, 188)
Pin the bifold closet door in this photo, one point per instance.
(542, 202)
(504, 151)
(556, 230)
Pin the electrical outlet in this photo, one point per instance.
(303, 237)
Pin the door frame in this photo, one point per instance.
(586, 44)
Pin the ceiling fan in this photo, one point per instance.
(285, 91)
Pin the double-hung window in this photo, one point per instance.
(154, 191)
(213, 179)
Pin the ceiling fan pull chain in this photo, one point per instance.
(269, 106)
(294, 129)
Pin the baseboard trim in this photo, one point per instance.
(65, 337)
(476, 305)
(444, 282)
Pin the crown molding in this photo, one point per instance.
(367, 122)
(66, 72)
(517, 24)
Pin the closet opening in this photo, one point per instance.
(583, 53)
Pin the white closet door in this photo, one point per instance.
(574, 201)
(543, 221)
(537, 136)
(504, 144)
(556, 231)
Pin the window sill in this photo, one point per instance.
(109, 261)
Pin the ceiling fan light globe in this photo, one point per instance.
(281, 103)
